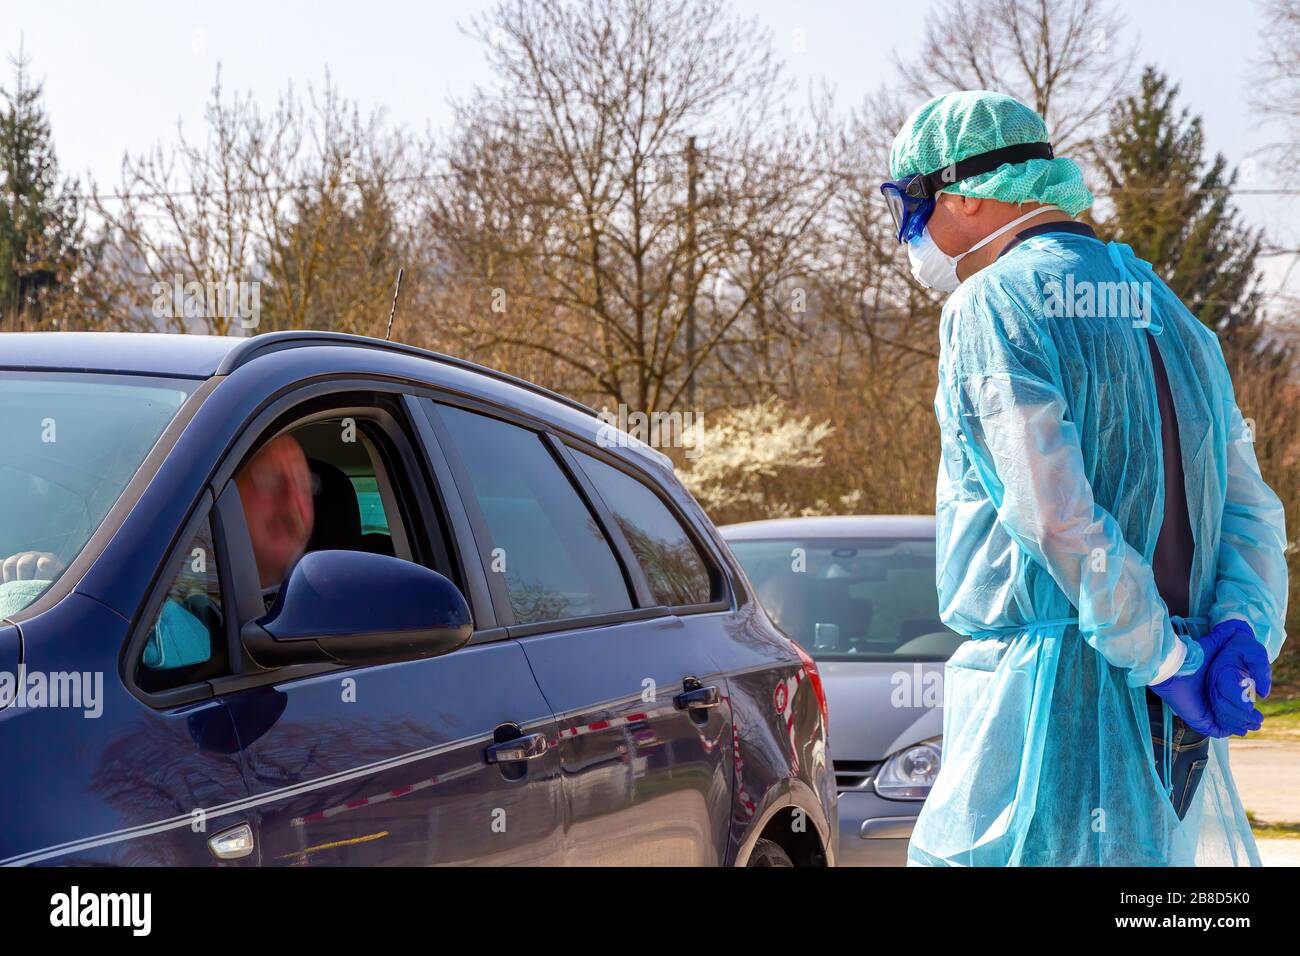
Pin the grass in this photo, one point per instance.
(1272, 707)
(1273, 831)
(1281, 719)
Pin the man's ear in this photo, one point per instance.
(970, 205)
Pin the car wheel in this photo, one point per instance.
(767, 853)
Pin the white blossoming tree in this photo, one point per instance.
(747, 459)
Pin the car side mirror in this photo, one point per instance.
(351, 607)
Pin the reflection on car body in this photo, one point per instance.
(858, 593)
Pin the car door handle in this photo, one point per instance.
(698, 698)
(528, 747)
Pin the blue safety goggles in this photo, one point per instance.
(910, 211)
(911, 200)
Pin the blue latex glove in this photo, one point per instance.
(1188, 696)
(1228, 659)
(1238, 672)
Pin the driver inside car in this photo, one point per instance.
(275, 488)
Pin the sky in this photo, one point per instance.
(120, 77)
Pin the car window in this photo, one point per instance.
(72, 443)
(556, 561)
(349, 513)
(673, 566)
(852, 598)
(187, 640)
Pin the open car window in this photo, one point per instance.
(355, 504)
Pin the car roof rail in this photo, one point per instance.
(253, 346)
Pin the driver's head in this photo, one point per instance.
(275, 488)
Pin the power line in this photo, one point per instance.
(259, 190)
(700, 156)
(692, 156)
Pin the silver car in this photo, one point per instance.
(858, 593)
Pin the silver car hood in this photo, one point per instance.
(880, 707)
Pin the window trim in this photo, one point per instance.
(425, 548)
(432, 453)
(448, 498)
(390, 501)
(244, 589)
(233, 584)
(133, 646)
(588, 622)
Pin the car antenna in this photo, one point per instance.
(393, 311)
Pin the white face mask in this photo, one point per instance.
(935, 269)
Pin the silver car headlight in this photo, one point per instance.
(909, 774)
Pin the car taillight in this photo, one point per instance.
(815, 679)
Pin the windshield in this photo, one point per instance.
(72, 442)
(852, 599)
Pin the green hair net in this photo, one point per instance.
(954, 126)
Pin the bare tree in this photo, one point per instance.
(1275, 98)
(566, 228)
(1276, 94)
(303, 200)
(1068, 59)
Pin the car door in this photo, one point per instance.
(441, 760)
(114, 781)
(644, 734)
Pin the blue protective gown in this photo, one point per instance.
(1049, 502)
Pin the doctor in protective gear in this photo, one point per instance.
(1104, 535)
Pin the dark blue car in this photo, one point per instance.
(513, 638)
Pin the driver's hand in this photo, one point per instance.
(30, 566)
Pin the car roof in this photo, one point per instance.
(135, 353)
(201, 356)
(178, 355)
(832, 526)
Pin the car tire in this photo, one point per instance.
(767, 853)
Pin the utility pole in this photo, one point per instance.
(691, 252)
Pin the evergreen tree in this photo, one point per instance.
(40, 219)
(1175, 209)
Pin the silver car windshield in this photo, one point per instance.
(851, 598)
(72, 443)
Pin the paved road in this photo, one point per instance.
(1268, 777)
(1285, 852)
